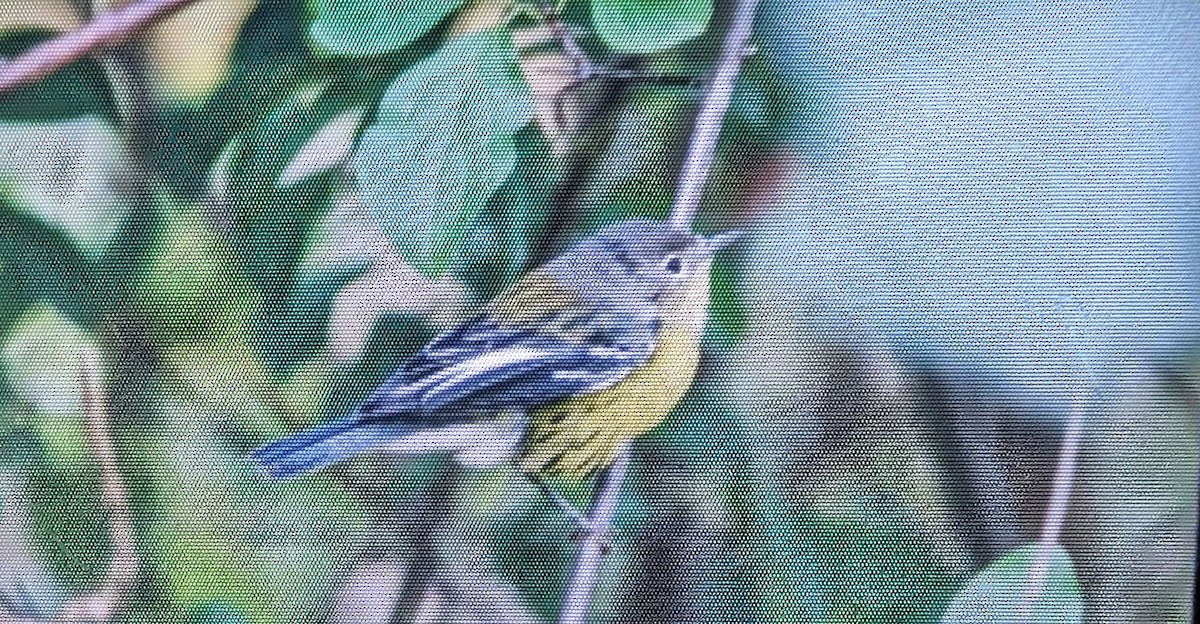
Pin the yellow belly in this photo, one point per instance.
(581, 435)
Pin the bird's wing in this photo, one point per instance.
(490, 364)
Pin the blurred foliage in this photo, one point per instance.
(188, 53)
(41, 264)
(641, 27)
(998, 593)
(366, 27)
(78, 89)
(505, 234)
(264, 236)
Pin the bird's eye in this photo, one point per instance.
(674, 264)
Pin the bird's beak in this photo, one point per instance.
(717, 242)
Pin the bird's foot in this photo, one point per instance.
(585, 527)
(602, 535)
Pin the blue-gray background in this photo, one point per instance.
(1009, 188)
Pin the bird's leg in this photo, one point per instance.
(567, 506)
(584, 525)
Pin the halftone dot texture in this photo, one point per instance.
(1000, 188)
(961, 215)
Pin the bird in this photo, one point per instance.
(583, 354)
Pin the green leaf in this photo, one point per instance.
(74, 91)
(273, 215)
(277, 205)
(996, 594)
(442, 144)
(41, 357)
(70, 174)
(368, 27)
(504, 239)
(269, 62)
(647, 26)
(40, 262)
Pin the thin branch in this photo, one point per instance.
(1056, 509)
(101, 605)
(105, 30)
(697, 167)
(697, 163)
(578, 596)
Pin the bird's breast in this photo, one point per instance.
(582, 434)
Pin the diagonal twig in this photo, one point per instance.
(101, 605)
(697, 168)
(595, 542)
(1056, 509)
(107, 29)
(702, 147)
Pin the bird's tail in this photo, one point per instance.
(323, 445)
